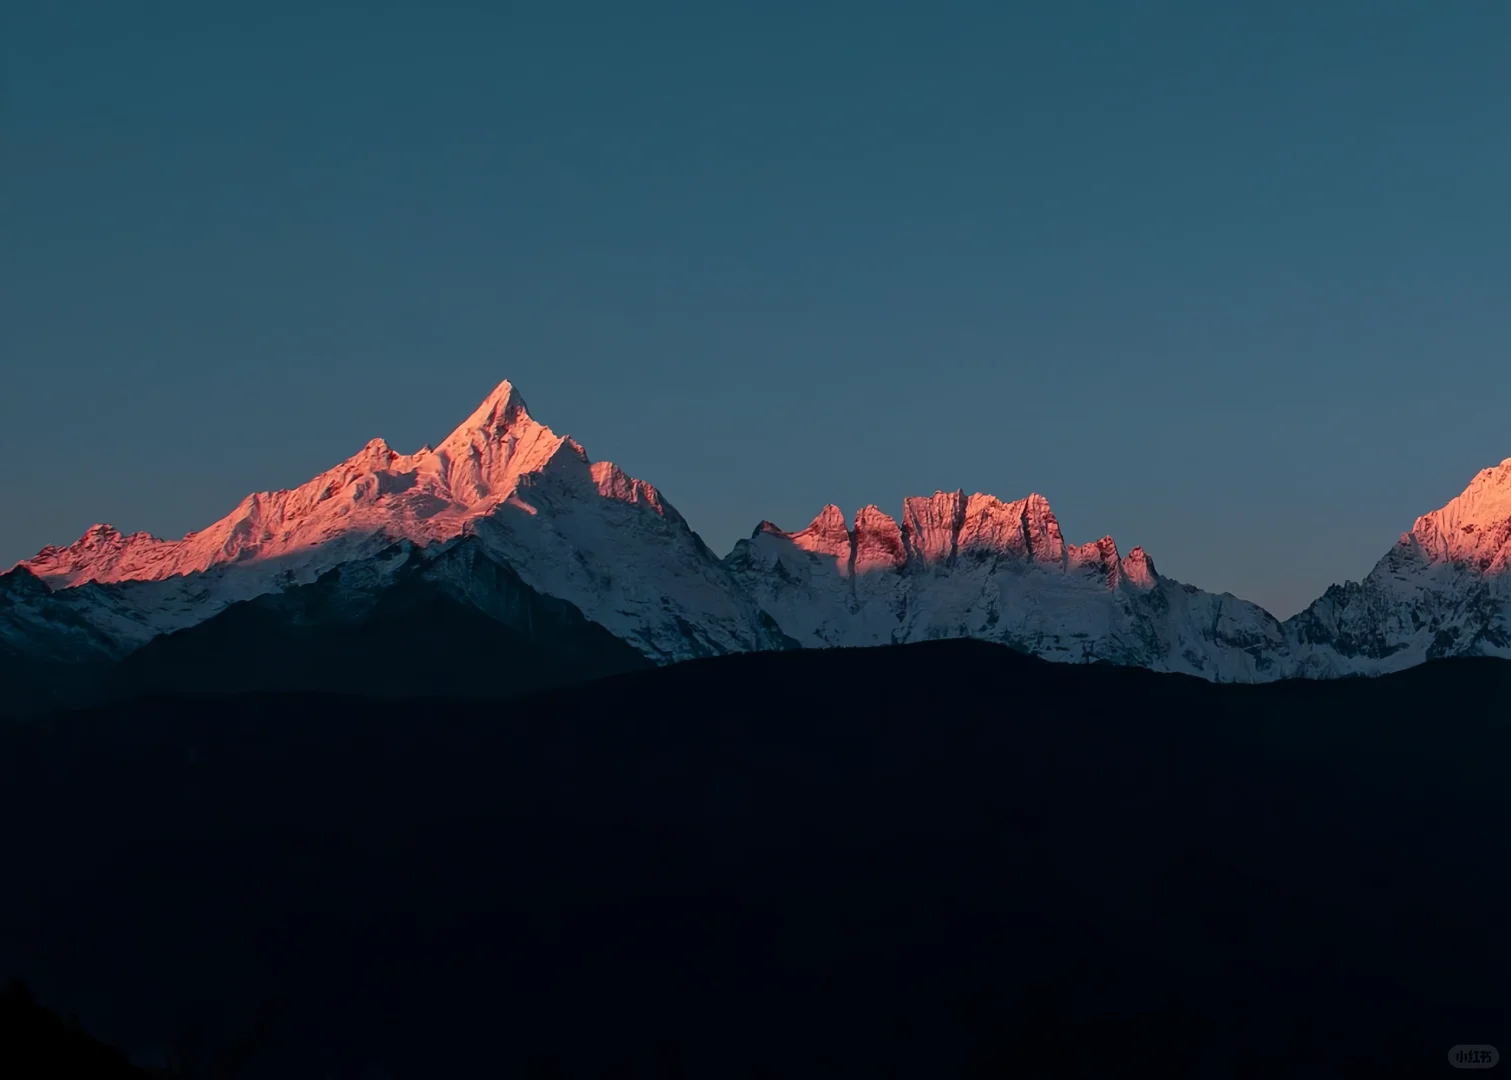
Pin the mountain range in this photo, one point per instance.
(504, 560)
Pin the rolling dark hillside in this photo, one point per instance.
(935, 860)
(402, 641)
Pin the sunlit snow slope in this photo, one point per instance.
(974, 566)
(1443, 590)
(578, 530)
(530, 501)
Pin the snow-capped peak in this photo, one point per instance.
(950, 565)
(829, 522)
(496, 417)
(424, 497)
(828, 535)
(878, 541)
(1444, 589)
(938, 529)
(950, 524)
(93, 556)
(581, 531)
(931, 526)
(1473, 529)
(975, 566)
(1138, 569)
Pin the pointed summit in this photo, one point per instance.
(1041, 530)
(497, 444)
(1138, 569)
(829, 526)
(828, 535)
(498, 412)
(878, 541)
(1099, 556)
(377, 492)
(830, 520)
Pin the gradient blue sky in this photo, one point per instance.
(1229, 281)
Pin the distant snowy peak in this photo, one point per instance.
(1138, 568)
(94, 556)
(879, 543)
(939, 530)
(1026, 528)
(1474, 529)
(494, 458)
(975, 566)
(1444, 589)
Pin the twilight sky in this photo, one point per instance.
(1231, 284)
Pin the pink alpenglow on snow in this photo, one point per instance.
(1474, 529)
(1138, 568)
(581, 531)
(494, 458)
(826, 535)
(1444, 589)
(878, 542)
(931, 525)
(938, 530)
(977, 567)
(514, 493)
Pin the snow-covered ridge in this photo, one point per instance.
(579, 530)
(941, 529)
(951, 565)
(1473, 529)
(424, 497)
(958, 565)
(1444, 589)
(975, 566)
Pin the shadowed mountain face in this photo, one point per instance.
(456, 621)
(944, 859)
(24, 690)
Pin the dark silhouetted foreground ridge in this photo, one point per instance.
(936, 860)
